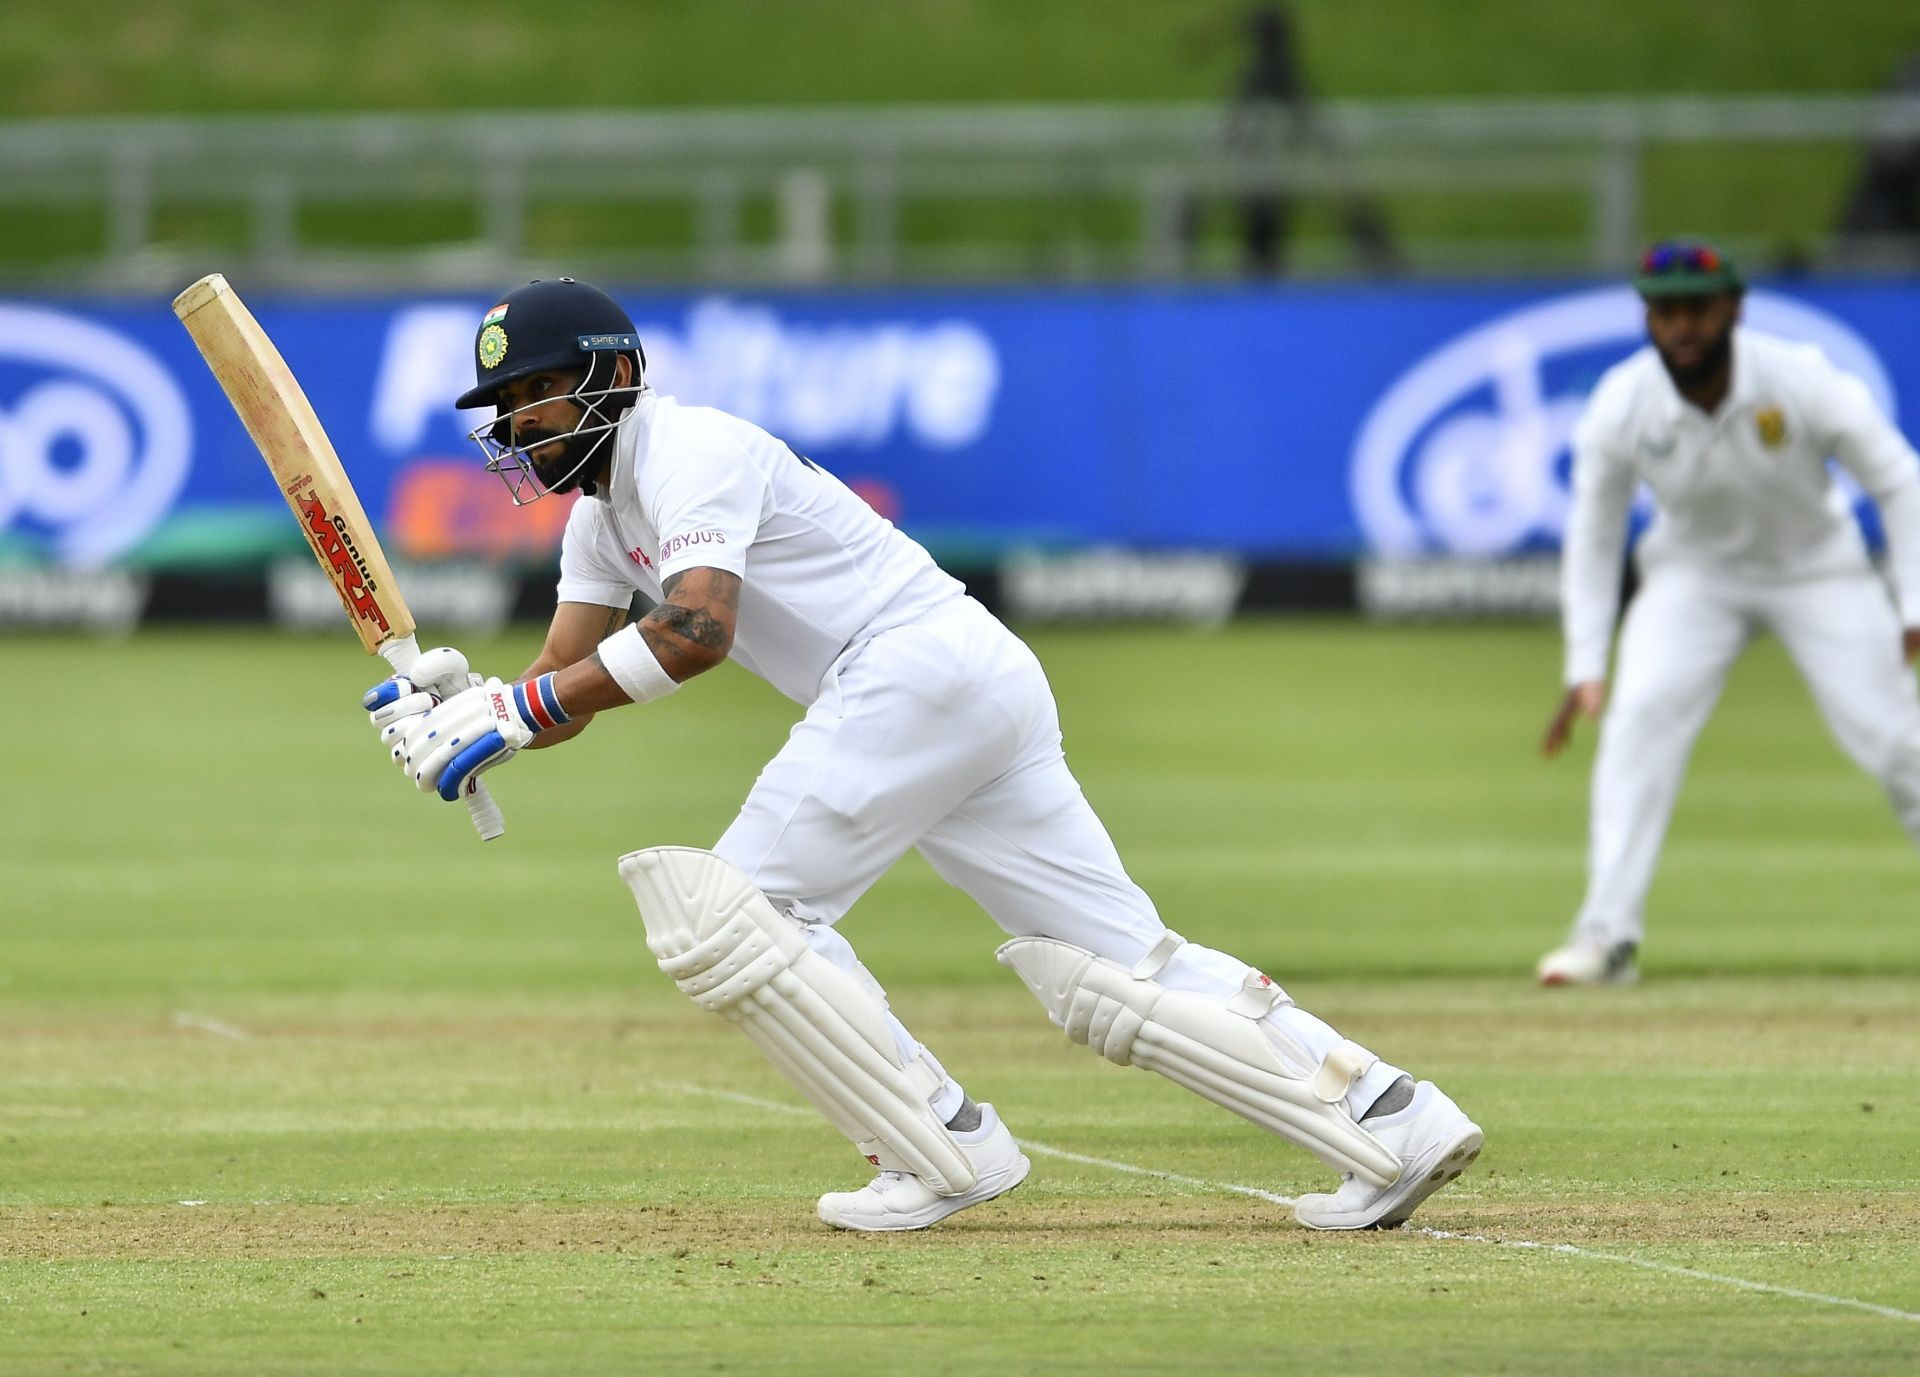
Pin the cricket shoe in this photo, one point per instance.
(1589, 963)
(1434, 1141)
(896, 1200)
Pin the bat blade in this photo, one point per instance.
(275, 410)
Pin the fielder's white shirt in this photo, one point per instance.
(1745, 492)
(690, 486)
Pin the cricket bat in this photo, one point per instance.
(283, 425)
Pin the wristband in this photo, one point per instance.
(539, 705)
(630, 660)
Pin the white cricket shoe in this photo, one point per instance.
(900, 1200)
(1589, 963)
(1434, 1141)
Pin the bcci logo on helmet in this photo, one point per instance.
(95, 437)
(492, 346)
(1466, 454)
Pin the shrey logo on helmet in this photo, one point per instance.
(95, 436)
(1466, 453)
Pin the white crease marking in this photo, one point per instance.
(1674, 1269)
(183, 1019)
(1442, 1235)
(1064, 1155)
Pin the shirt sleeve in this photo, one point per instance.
(587, 572)
(707, 507)
(1871, 448)
(1603, 483)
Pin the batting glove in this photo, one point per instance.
(474, 730)
(436, 676)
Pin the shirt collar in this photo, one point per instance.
(1743, 387)
(629, 446)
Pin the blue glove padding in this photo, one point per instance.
(434, 675)
(383, 701)
(472, 731)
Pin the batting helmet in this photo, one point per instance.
(547, 326)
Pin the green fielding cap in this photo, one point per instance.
(1687, 267)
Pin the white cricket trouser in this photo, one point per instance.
(943, 735)
(1682, 634)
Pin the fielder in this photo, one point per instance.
(927, 725)
(1731, 429)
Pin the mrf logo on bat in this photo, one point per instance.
(334, 544)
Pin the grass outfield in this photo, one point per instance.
(435, 1111)
(193, 56)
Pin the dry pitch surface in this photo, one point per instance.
(300, 1079)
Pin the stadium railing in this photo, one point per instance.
(860, 194)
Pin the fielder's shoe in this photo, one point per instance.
(1434, 1141)
(900, 1200)
(1589, 963)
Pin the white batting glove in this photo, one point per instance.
(472, 731)
(436, 676)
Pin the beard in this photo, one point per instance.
(569, 465)
(1713, 360)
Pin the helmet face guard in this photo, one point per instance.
(528, 478)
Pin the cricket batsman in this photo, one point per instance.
(927, 724)
(1731, 430)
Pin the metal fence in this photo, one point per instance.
(852, 194)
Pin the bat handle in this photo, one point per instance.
(401, 652)
(484, 811)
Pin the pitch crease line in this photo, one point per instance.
(183, 1019)
(1674, 1269)
(1444, 1235)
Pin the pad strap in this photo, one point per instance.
(1155, 961)
(1258, 996)
(1341, 1067)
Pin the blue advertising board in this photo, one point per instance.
(1291, 422)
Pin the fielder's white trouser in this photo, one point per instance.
(1682, 634)
(943, 735)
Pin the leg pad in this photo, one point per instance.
(1220, 1051)
(726, 946)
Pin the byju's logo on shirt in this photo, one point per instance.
(675, 544)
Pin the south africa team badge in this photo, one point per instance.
(493, 346)
(1772, 425)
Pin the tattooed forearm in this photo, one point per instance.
(694, 624)
(691, 630)
(616, 618)
(685, 640)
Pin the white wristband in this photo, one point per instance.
(631, 661)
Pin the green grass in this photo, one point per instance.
(469, 1128)
(93, 57)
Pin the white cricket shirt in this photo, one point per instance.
(1745, 492)
(690, 486)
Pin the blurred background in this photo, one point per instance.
(1126, 309)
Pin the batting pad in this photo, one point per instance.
(727, 947)
(1219, 1051)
